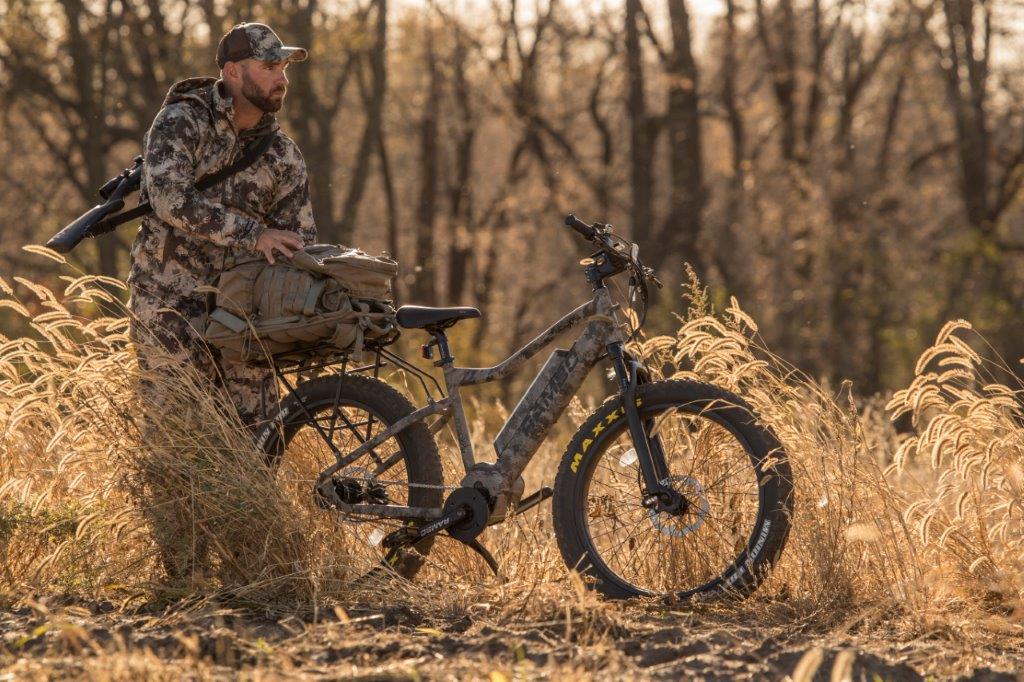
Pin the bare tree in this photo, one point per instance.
(424, 287)
(681, 227)
(687, 195)
(988, 152)
(643, 129)
(727, 257)
(318, 95)
(460, 188)
(778, 32)
(371, 142)
(82, 90)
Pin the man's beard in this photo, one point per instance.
(260, 99)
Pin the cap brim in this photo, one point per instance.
(288, 54)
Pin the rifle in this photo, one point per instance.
(100, 219)
(103, 218)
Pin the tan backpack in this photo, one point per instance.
(326, 300)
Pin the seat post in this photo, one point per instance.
(441, 339)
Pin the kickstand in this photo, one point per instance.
(475, 545)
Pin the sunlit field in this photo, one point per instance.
(905, 555)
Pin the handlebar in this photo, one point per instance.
(616, 255)
(617, 250)
(575, 223)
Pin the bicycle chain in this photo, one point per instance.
(406, 485)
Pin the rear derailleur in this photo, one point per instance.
(350, 490)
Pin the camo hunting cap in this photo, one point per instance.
(256, 41)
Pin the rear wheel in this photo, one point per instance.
(403, 470)
(731, 474)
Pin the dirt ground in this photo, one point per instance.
(99, 640)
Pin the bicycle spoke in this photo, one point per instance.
(352, 427)
(710, 469)
(369, 427)
(334, 412)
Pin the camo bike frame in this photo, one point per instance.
(537, 411)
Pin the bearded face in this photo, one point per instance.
(268, 98)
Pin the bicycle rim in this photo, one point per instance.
(652, 552)
(353, 541)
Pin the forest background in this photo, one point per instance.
(850, 170)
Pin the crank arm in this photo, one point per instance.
(408, 537)
(531, 501)
(465, 517)
(485, 554)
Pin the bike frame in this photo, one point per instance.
(537, 411)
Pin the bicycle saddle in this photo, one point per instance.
(422, 317)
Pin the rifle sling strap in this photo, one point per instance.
(252, 153)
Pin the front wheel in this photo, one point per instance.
(731, 472)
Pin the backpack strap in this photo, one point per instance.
(312, 296)
(252, 153)
(232, 322)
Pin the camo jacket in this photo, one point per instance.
(192, 236)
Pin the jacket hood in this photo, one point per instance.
(207, 92)
(196, 89)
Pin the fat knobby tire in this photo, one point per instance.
(422, 461)
(775, 488)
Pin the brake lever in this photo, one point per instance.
(644, 273)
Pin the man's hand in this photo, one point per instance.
(282, 241)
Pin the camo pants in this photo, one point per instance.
(174, 328)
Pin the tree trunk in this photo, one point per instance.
(311, 118)
(641, 131)
(425, 280)
(728, 255)
(373, 100)
(460, 246)
(682, 226)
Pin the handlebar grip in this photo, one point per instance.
(575, 223)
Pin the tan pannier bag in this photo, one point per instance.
(326, 300)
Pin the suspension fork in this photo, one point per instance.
(649, 451)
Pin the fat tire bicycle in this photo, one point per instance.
(669, 488)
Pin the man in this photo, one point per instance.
(192, 235)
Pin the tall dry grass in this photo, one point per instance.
(86, 480)
(933, 537)
(965, 464)
(919, 529)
